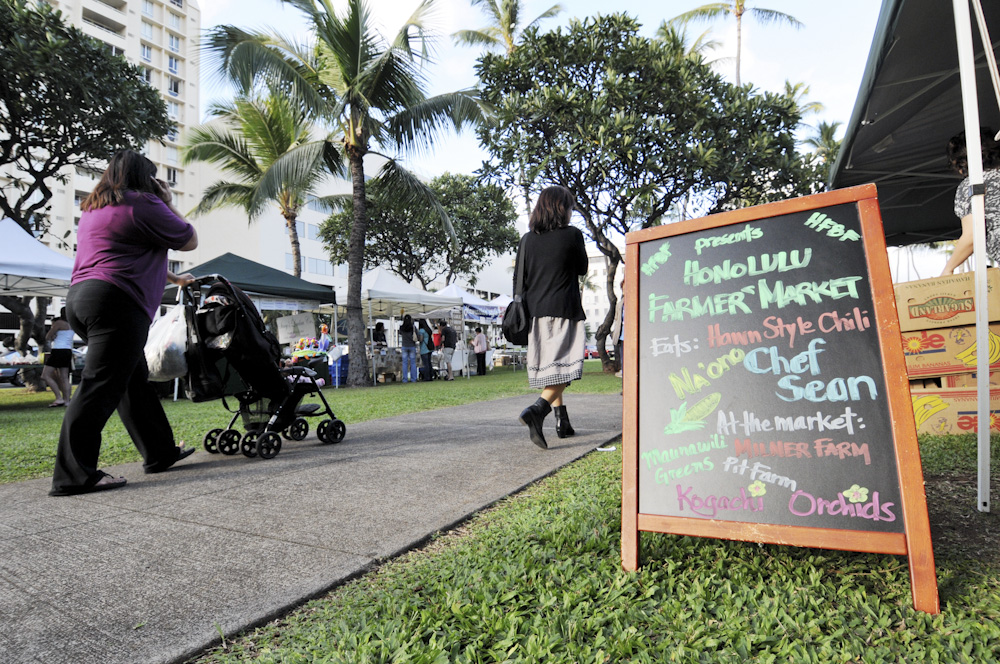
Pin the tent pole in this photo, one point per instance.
(371, 336)
(970, 107)
(336, 382)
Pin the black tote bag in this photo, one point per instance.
(516, 319)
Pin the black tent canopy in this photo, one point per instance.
(253, 277)
(909, 105)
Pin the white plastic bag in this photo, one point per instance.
(166, 345)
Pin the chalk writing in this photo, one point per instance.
(801, 293)
(728, 424)
(748, 234)
(688, 383)
(666, 475)
(782, 261)
(824, 447)
(650, 267)
(805, 504)
(776, 327)
(695, 307)
(672, 346)
(710, 505)
(758, 471)
(671, 454)
(820, 222)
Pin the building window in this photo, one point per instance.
(177, 3)
(175, 267)
(300, 228)
(147, 7)
(147, 52)
(175, 43)
(172, 134)
(147, 30)
(173, 110)
(172, 176)
(173, 87)
(174, 20)
(290, 262)
(171, 154)
(320, 266)
(173, 64)
(313, 230)
(147, 74)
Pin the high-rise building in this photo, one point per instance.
(161, 37)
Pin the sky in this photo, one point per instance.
(828, 54)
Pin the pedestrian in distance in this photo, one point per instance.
(958, 156)
(554, 257)
(127, 226)
(59, 359)
(479, 346)
(408, 348)
(426, 348)
(448, 341)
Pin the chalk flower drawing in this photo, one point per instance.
(856, 494)
(757, 489)
(679, 424)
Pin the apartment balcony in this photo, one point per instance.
(98, 22)
(117, 7)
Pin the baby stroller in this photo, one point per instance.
(232, 354)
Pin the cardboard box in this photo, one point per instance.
(951, 411)
(968, 380)
(928, 304)
(952, 350)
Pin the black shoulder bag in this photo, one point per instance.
(516, 319)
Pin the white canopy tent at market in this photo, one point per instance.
(386, 295)
(928, 77)
(28, 267)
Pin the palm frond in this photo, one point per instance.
(488, 37)
(551, 12)
(419, 124)
(223, 194)
(223, 147)
(769, 16)
(295, 172)
(709, 12)
(407, 190)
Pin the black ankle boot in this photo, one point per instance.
(563, 427)
(532, 417)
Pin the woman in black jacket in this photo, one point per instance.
(554, 258)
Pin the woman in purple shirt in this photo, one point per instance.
(127, 226)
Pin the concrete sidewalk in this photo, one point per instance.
(152, 572)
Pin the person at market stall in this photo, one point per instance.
(408, 349)
(448, 341)
(958, 155)
(426, 348)
(554, 257)
(378, 335)
(479, 347)
(325, 342)
(127, 226)
(59, 359)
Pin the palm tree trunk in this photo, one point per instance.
(357, 373)
(739, 45)
(293, 237)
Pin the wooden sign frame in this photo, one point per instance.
(915, 541)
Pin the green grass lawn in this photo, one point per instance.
(29, 430)
(537, 579)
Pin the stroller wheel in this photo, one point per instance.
(229, 441)
(268, 445)
(211, 441)
(299, 429)
(331, 431)
(249, 444)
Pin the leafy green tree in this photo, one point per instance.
(371, 91)
(409, 239)
(65, 101)
(266, 145)
(504, 24)
(632, 125)
(735, 8)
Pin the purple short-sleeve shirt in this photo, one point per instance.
(126, 245)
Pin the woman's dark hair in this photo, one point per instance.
(552, 210)
(425, 327)
(958, 153)
(380, 325)
(407, 326)
(127, 170)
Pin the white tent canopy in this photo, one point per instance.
(501, 301)
(475, 308)
(28, 267)
(386, 294)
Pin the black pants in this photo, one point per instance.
(428, 370)
(114, 327)
(481, 364)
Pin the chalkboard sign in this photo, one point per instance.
(766, 397)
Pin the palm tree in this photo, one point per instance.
(265, 144)
(798, 92)
(371, 93)
(505, 24)
(737, 8)
(825, 142)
